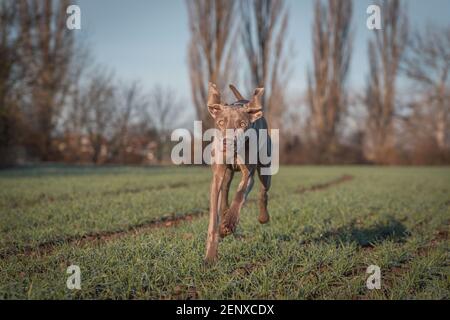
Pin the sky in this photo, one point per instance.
(147, 40)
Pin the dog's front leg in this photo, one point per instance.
(213, 228)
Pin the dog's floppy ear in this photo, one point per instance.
(254, 107)
(236, 93)
(214, 106)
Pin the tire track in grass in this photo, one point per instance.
(165, 221)
(45, 198)
(325, 185)
(315, 187)
(47, 247)
(397, 271)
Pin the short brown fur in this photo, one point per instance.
(224, 217)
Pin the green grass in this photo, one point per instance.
(316, 246)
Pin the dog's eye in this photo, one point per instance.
(243, 124)
(220, 122)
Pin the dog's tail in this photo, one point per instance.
(236, 93)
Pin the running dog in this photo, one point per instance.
(237, 118)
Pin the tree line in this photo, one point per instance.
(56, 104)
(329, 123)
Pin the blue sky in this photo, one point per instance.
(147, 39)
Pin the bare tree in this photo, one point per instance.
(166, 113)
(99, 105)
(131, 104)
(46, 48)
(386, 51)
(212, 25)
(264, 39)
(427, 64)
(327, 97)
(10, 72)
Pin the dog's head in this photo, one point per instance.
(234, 119)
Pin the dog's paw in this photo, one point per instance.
(210, 261)
(228, 225)
(263, 218)
(225, 231)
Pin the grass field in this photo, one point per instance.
(139, 233)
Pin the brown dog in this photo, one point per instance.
(238, 118)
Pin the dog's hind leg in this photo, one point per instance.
(250, 183)
(263, 197)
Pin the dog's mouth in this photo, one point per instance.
(225, 145)
(229, 144)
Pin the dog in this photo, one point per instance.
(237, 118)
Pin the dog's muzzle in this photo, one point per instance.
(229, 143)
